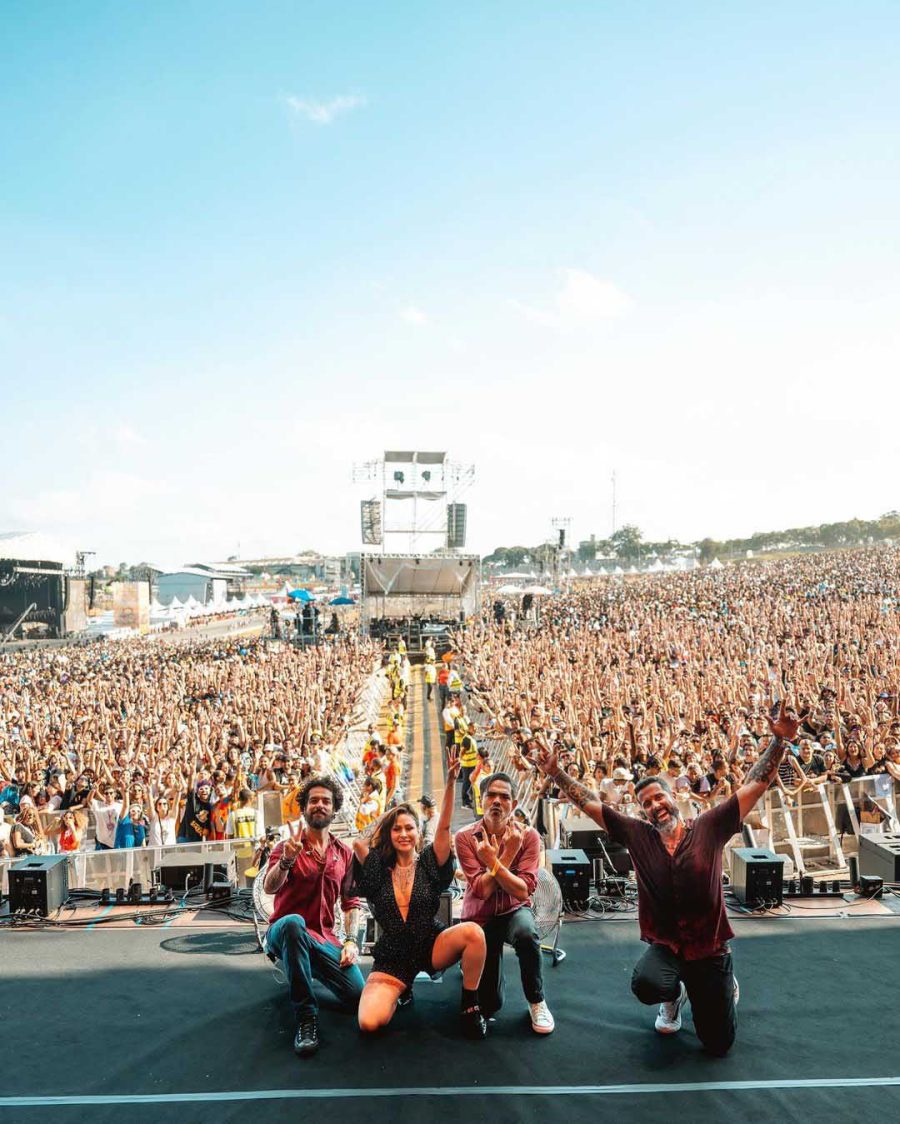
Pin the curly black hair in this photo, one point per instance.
(337, 793)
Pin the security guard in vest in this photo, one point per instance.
(468, 759)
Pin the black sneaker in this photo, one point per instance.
(307, 1038)
(406, 997)
(472, 1023)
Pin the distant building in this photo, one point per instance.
(210, 584)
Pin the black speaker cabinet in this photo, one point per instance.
(880, 855)
(39, 884)
(572, 870)
(757, 876)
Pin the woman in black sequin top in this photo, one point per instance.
(403, 884)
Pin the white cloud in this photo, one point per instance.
(414, 315)
(324, 112)
(582, 299)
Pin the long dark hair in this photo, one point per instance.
(381, 837)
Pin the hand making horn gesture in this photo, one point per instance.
(784, 723)
(547, 761)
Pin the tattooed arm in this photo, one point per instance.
(584, 798)
(758, 779)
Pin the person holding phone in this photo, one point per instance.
(681, 909)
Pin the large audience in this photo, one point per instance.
(147, 742)
(151, 742)
(675, 673)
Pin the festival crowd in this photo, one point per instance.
(674, 674)
(153, 743)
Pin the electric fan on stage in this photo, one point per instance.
(548, 914)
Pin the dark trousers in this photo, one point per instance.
(443, 694)
(518, 929)
(305, 959)
(710, 988)
(430, 688)
(465, 773)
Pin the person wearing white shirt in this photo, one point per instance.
(106, 816)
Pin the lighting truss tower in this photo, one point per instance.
(415, 504)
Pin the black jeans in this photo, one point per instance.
(710, 988)
(465, 773)
(518, 929)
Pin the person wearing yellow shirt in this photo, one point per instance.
(368, 811)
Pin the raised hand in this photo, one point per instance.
(452, 764)
(785, 724)
(292, 846)
(547, 760)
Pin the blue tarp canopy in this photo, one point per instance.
(301, 595)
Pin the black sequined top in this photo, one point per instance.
(404, 947)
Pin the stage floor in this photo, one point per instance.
(190, 1025)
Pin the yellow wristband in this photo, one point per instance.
(494, 868)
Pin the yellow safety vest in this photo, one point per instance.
(468, 757)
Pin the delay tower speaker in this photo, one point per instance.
(456, 525)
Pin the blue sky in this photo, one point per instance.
(243, 246)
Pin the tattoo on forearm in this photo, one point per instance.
(351, 923)
(767, 766)
(578, 793)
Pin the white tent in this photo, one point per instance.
(508, 589)
(176, 604)
(716, 565)
(538, 590)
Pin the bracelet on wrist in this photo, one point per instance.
(285, 865)
(495, 868)
(351, 940)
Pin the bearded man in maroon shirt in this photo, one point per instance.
(309, 873)
(681, 909)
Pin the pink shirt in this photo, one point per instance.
(524, 866)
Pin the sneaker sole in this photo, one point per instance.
(543, 1029)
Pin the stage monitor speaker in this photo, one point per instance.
(456, 525)
(757, 876)
(879, 855)
(371, 524)
(572, 870)
(39, 884)
(198, 870)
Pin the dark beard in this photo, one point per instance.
(318, 821)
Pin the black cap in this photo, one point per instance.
(426, 801)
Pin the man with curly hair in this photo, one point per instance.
(307, 873)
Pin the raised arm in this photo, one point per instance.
(442, 827)
(579, 794)
(784, 728)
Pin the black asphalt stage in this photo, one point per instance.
(120, 1013)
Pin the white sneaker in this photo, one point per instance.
(668, 1021)
(541, 1019)
(737, 991)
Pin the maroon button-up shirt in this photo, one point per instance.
(680, 900)
(312, 889)
(524, 866)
